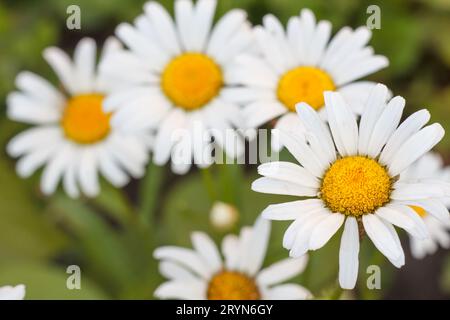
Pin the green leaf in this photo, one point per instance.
(45, 281)
(25, 231)
(119, 259)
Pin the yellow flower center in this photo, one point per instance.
(355, 186)
(83, 119)
(304, 84)
(191, 80)
(420, 211)
(231, 285)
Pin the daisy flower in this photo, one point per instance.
(202, 274)
(299, 65)
(351, 174)
(72, 137)
(429, 167)
(174, 76)
(12, 293)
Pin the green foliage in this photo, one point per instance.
(40, 236)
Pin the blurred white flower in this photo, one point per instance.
(298, 65)
(223, 216)
(174, 77)
(72, 137)
(12, 293)
(429, 167)
(350, 173)
(201, 273)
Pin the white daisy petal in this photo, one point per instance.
(87, 172)
(396, 217)
(201, 24)
(182, 289)
(312, 122)
(370, 66)
(39, 88)
(320, 40)
(288, 292)
(298, 147)
(84, 64)
(357, 95)
(400, 261)
(70, 180)
(111, 170)
(33, 138)
(164, 26)
(55, 169)
(342, 123)
(304, 232)
(324, 230)
(257, 246)
(409, 127)
(275, 186)
(184, 15)
(288, 122)
(207, 250)
(435, 208)
(184, 257)
(63, 67)
(417, 228)
(348, 254)
(415, 191)
(24, 109)
(30, 162)
(243, 95)
(381, 236)
(372, 111)
(415, 147)
(291, 210)
(290, 172)
(230, 249)
(386, 125)
(138, 43)
(260, 112)
(224, 29)
(282, 271)
(164, 139)
(272, 53)
(173, 271)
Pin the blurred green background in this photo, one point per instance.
(40, 237)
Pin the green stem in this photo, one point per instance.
(148, 193)
(208, 182)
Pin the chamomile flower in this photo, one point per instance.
(429, 167)
(12, 293)
(200, 273)
(350, 174)
(72, 137)
(173, 78)
(298, 65)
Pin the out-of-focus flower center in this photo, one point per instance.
(231, 285)
(304, 84)
(191, 80)
(84, 121)
(420, 211)
(355, 186)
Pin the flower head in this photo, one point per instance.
(298, 65)
(73, 138)
(174, 77)
(200, 273)
(351, 174)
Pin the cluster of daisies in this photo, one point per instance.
(170, 86)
